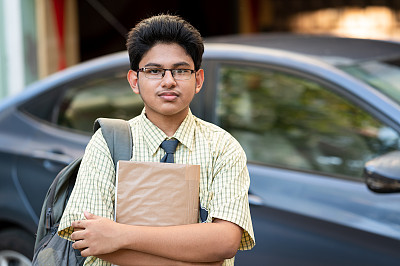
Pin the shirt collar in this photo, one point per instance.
(153, 136)
(185, 132)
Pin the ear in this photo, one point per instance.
(133, 81)
(199, 80)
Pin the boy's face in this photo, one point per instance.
(166, 97)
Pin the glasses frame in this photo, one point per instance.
(143, 69)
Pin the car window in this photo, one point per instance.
(107, 95)
(288, 121)
(383, 75)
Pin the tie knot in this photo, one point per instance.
(169, 146)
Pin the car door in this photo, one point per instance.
(61, 122)
(306, 145)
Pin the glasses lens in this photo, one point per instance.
(181, 74)
(153, 73)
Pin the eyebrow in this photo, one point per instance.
(174, 65)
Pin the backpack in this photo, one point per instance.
(50, 249)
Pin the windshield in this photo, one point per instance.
(384, 76)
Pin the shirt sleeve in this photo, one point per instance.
(231, 181)
(94, 189)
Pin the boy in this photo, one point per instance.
(165, 57)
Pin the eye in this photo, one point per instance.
(181, 71)
(154, 71)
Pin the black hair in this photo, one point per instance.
(164, 29)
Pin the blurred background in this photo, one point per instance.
(40, 37)
(313, 123)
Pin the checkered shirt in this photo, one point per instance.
(224, 178)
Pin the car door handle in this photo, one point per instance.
(52, 156)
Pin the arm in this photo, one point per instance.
(207, 242)
(125, 257)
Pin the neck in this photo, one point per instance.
(168, 124)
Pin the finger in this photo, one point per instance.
(81, 250)
(86, 253)
(78, 235)
(89, 215)
(81, 244)
(74, 236)
(79, 224)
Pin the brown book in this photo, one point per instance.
(157, 194)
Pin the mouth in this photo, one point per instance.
(168, 95)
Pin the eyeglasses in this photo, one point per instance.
(159, 73)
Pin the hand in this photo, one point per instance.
(96, 235)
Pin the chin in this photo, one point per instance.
(169, 111)
(173, 112)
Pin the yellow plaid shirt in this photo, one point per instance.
(224, 178)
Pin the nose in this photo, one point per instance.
(168, 80)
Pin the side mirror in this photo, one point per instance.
(382, 174)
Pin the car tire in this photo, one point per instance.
(16, 247)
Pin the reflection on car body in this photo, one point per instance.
(309, 112)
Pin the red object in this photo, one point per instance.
(59, 8)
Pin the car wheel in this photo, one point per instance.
(16, 247)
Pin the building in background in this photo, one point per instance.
(18, 44)
(37, 38)
(40, 37)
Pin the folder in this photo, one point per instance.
(157, 194)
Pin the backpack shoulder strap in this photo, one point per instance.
(118, 135)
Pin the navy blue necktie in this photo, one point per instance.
(169, 147)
